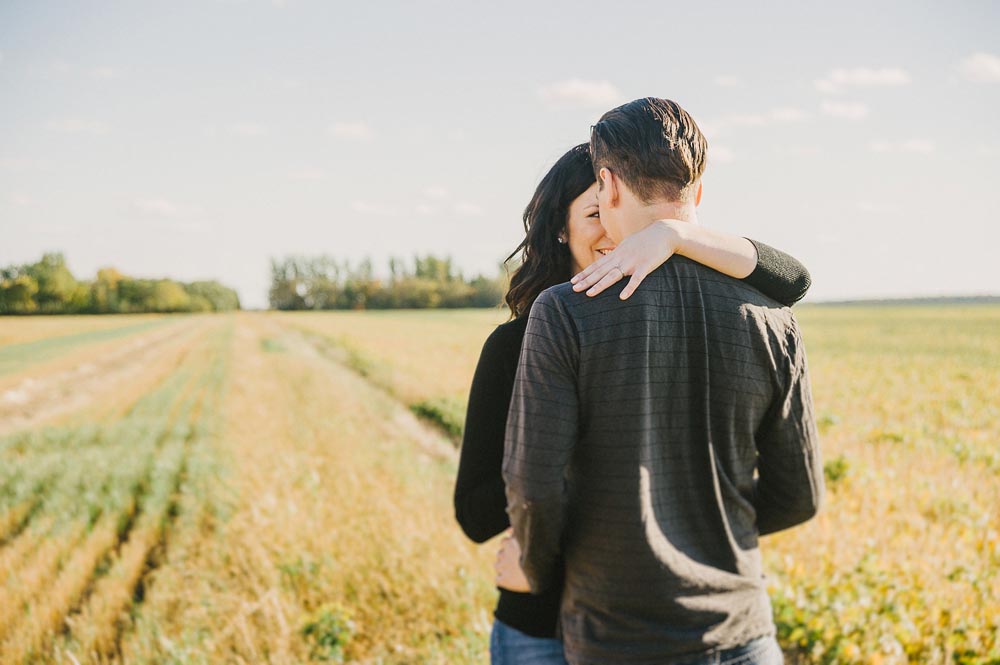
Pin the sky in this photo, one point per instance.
(198, 140)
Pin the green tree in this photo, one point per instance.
(212, 296)
(324, 283)
(135, 295)
(104, 291)
(168, 296)
(56, 284)
(17, 292)
(288, 285)
(48, 287)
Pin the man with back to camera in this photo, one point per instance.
(651, 441)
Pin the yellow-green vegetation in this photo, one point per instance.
(256, 488)
(18, 330)
(904, 561)
(260, 503)
(48, 287)
(15, 357)
(423, 357)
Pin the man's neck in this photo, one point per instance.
(645, 215)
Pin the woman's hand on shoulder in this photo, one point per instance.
(636, 256)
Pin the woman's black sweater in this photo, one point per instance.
(480, 500)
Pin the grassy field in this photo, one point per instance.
(259, 488)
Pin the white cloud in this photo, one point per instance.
(468, 209)
(772, 117)
(877, 208)
(155, 207)
(796, 150)
(160, 208)
(981, 67)
(718, 154)
(61, 67)
(787, 115)
(248, 129)
(848, 110)
(862, 77)
(51, 229)
(309, 174)
(725, 81)
(373, 209)
(77, 126)
(22, 165)
(104, 73)
(188, 227)
(742, 120)
(917, 146)
(776, 116)
(351, 131)
(579, 92)
(425, 210)
(707, 127)
(101, 73)
(437, 192)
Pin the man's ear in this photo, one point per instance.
(610, 183)
(697, 196)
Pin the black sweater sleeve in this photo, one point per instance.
(778, 275)
(480, 499)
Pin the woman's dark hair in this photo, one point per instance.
(545, 261)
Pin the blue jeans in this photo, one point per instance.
(761, 651)
(509, 646)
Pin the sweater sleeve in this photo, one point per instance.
(541, 436)
(778, 275)
(480, 500)
(789, 488)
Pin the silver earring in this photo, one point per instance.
(562, 241)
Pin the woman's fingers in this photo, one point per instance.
(612, 276)
(592, 274)
(633, 283)
(638, 255)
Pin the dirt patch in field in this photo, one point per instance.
(34, 400)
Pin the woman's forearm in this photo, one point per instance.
(480, 510)
(731, 255)
(771, 271)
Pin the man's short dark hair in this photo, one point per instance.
(653, 145)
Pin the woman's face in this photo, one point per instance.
(586, 238)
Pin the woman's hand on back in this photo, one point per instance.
(508, 566)
(637, 255)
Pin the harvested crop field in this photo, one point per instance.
(276, 487)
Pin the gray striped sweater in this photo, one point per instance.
(649, 443)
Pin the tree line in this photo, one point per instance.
(324, 282)
(48, 287)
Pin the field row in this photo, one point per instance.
(87, 513)
(274, 509)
